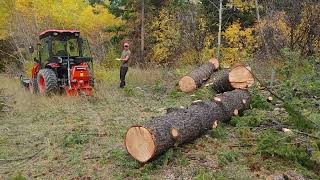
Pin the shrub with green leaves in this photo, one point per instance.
(159, 87)
(219, 132)
(251, 118)
(259, 102)
(297, 119)
(203, 94)
(75, 138)
(273, 143)
(175, 94)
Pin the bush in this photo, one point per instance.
(251, 118)
(219, 132)
(76, 138)
(274, 144)
(258, 101)
(203, 93)
(110, 59)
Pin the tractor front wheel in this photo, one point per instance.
(47, 82)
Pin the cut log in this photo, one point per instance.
(181, 125)
(234, 102)
(198, 76)
(238, 77)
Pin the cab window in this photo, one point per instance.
(65, 47)
(44, 51)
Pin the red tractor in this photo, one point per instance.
(63, 64)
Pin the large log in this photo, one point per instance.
(238, 77)
(178, 126)
(198, 76)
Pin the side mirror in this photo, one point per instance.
(31, 49)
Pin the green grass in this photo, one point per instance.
(78, 137)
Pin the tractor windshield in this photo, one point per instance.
(62, 47)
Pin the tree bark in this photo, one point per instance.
(219, 32)
(198, 76)
(181, 125)
(142, 32)
(238, 77)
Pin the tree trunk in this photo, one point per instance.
(238, 77)
(219, 32)
(142, 32)
(179, 126)
(198, 76)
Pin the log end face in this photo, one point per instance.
(187, 84)
(140, 143)
(215, 62)
(240, 77)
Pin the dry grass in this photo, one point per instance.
(74, 134)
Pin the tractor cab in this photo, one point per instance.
(56, 46)
(64, 56)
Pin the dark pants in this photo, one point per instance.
(123, 72)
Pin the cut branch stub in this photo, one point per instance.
(234, 102)
(198, 76)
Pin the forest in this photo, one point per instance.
(277, 135)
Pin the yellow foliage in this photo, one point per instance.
(231, 56)
(5, 6)
(165, 31)
(242, 5)
(279, 26)
(241, 43)
(100, 73)
(67, 14)
(189, 57)
(28, 68)
(111, 55)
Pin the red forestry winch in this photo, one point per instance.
(63, 63)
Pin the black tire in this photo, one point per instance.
(33, 86)
(47, 82)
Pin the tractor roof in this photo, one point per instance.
(52, 31)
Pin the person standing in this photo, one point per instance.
(125, 56)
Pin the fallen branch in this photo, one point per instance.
(274, 94)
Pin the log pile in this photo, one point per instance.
(182, 125)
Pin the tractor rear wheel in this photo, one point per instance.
(47, 82)
(33, 86)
